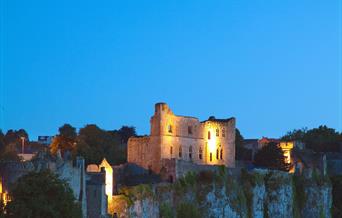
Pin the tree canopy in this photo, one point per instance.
(65, 140)
(271, 156)
(321, 139)
(10, 143)
(93, 143)
(40, 195)
(241, 153)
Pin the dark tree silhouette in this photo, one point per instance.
(321, 139)
(241, 153)
(41, 195)
(271, 156)
(65, 140)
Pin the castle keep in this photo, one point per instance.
(183, 138)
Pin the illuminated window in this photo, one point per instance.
(221, 154)
(211, 157)
(217, 132)
(223, 133)
(190, 152)
(217, 154)
(171, 151)
(169, 128)
(200, 154)
(189, 130)
(180, 152)
(208, 134)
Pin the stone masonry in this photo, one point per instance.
(211, 142)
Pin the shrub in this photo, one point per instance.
(187, 210)
(165, 211)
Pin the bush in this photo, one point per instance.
(187, 210)
(165, 211)
(42, 194)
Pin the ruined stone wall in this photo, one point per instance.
(222, 137)
(184, 138)
(182, 132)
(137, 151)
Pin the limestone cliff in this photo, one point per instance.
(221, 194)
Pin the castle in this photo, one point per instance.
(184, 139)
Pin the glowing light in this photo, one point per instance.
(109, 178)
(287, 147)
(212, 143)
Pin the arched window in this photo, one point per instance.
(169, 128)
(221, 154)
(190, 130)
(217, 132)
(208, 134)
(171, 150)
(223, 132)
(190, 152)
(200, 153)
(180, 152)
(217, 154)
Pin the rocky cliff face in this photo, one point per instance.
(253, 194)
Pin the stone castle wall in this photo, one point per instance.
(211, 142)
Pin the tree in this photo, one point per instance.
(42, 194)
(65, 140)
(241, 153)
(2, 140)
(271, 156)
(68, 131)
(125, 132)
(295, 135)
(321, 139)
(14, 136)
(7, 152)
(94, 144)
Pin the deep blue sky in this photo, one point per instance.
(274, 65)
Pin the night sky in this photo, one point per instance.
(274, 65)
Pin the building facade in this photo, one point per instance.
(210, 142)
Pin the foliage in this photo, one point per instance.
(2, 140)
(9, 153)
(10, 144)
(236, 195)
(206, 177)
(187, 210)
(271, 156)
(68, 131)
(124, 133)
(95, 144)
(336, 182)
(137, 192)
(65, 140)
(13, 136)
(295, 135)
(165, 211)
(321, 139)
(241, 153)
(249, 181)
(299, 196)
(42, 194)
